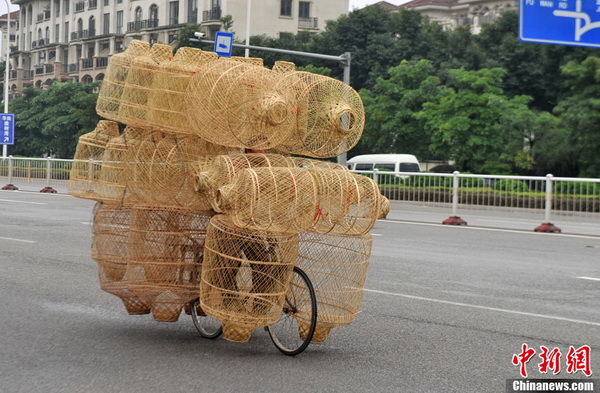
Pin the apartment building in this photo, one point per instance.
(73, 39)
(8, 35)
(453, 13)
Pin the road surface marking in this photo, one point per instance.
(376, 234)
(17, 240)
(492, 229)
(589, 278)
(528, 314)
(31, 203)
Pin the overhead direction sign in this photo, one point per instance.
(223, 43)
(562, 22)
(8, 129)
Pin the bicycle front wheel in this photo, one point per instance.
(292, 333)
(207, 326)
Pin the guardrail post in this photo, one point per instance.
(48, 177)
(547, 226)
(10, 186)
(454, 219)
(376, 175)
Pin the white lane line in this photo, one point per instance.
(589, 278)
(376, 234)
(17, 240)
(31, 203)
(87, 223)
(491, 229)
(528, 314)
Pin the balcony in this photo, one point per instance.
(49, 68)
(13, 74)
(34, 44)
(28, 74)
(83, 34)
(86, 64)
(42, 42)
(102, 62)
(214, 14)
(308, 23)
(92, 4)
(45, 15)
(142, 24)
(65, 68)
(39, 69)
(80, 6)
(73, 67)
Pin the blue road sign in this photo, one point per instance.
(562, 22)
(223, 43)
(8, 129)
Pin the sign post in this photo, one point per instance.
(8, 129)
(223, 43)
(561, 22)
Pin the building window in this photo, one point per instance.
(92, 26)
(138, 14)
(154, 14)
(57, 7)
(174, 13)
(119, 22)
(286, 8)
(192, 11)
(106, 3)
(47, 35)
(80, 27)
(119, 1)
(106, 24)
(66, 32)
(30, 15)
(57, 33)
(67, 4)
(304, 9)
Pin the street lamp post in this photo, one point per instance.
(6, 70)
(247, 51)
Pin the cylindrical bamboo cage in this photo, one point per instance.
(330, 117)
(337, 266)
(242, 105)
(274, 199)
(138, 90)
(221, 170)
(160, 170)
(256, 61)
(245, 276)
(384, 208)
(87, 162)
(112, 183)
(110, 247)
(167, 103)
(283, 67)
(166, 247)
(303, 162)
(118, 68)
(348, 203)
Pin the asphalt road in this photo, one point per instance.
(445, 309)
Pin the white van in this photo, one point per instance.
(386, 162)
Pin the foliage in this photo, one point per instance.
(51, 121)
(391, 122)
(511, 185)
(576, 188)
(227, 22)
(185, 34)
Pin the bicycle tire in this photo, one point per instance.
(206, 325)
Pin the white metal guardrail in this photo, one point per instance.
(457, 193)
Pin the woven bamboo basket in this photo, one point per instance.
(87, 162)
(221, 170)
(165, 256)
(133, 109)
(245, 276)
(110, 246)
(118, 68)
(160, 170)
(274, 199)
(243, 105)
(384, 208)
(330, 116)
(112, 183)
(348, 203)
(337, 266)
(303, 162)
(167, 104)
(256, 61)
(283, 67)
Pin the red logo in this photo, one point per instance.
(576, 360)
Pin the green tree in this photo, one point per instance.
(391, 124)
(51, 121)
(185, 34)
(580, 113)
(475, 124)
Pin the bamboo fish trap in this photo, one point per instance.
(87, 163)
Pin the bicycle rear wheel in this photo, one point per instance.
(292, 333)
(207, 326)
